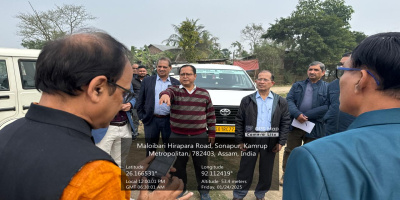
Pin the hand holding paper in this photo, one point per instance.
(307, 126)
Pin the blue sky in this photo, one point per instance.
(144, 22)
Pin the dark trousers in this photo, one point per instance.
(135, 120)
(246, 171)
(152, 132)
(296, 138)
(198, 160)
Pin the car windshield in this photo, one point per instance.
(223, 79)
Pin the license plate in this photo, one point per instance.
(225, 129)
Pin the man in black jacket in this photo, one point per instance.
(262, 125)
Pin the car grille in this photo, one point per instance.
(229, 119)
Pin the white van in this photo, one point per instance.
(227, 85)
(17, 83)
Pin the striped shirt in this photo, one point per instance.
(191, 114)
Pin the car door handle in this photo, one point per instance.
(25, 107)
(7, 109)
(5, 97)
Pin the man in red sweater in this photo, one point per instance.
(192, 120)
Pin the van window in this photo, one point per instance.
(27, 69)
(223, 79)
(4, 84)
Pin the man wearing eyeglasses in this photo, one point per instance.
(336, 120)
(193, 124)
(155, 117)
(116, 139)
(307, 102)
(263, 112)
(363, 161)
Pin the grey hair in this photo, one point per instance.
(321, 65)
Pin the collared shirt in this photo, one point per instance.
(264, 112)
(161, 86)
(191, 92)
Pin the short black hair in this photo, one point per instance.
(191, 66)
(141, 66)
(67, 64)
(380, 54)
(347, 54)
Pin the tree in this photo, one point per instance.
(225, 53)
(359, 36)
(238, 51)
(253, 33)
(144, 57)
(208, 46)
(41, 27)
(316, 30)
(196, 42)
(270, 56)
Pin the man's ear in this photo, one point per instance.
(363, 82)
(97, 88)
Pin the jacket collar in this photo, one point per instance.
(377, 117)
(57, 117)
(254, 95)
(168, 79)
(309, 81)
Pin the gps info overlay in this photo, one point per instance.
(217, 170)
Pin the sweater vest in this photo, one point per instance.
(38, 160)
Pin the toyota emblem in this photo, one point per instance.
(225, 112)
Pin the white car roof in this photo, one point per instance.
(19, 52)
(211, 66)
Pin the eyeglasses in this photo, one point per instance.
(185, 74)
(127, 95)
(340, 71)
(262, 79)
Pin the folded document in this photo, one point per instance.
(306, 126)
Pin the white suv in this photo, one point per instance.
(17, 84)
(227, 85)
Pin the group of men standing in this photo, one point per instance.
(49, 154)
(181, 112)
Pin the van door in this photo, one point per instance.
(8, 91)
(25, 76)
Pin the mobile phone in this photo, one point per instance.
(159, 167)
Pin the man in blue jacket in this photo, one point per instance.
(307, 102)
(362, 162)
(336, 120)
